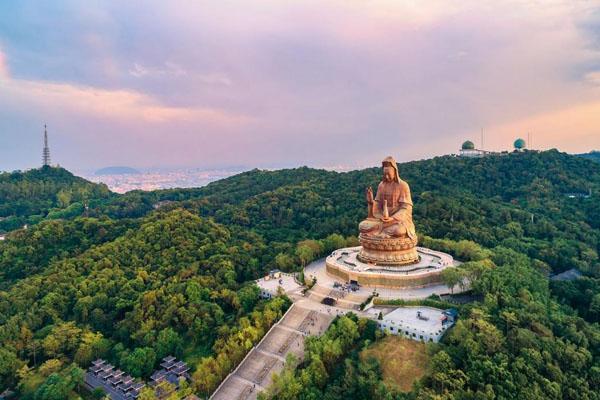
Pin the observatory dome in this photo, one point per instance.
(519, 144)
(468, 145)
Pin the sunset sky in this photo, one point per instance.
(281, 83)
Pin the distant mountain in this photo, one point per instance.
(117, 171)
(592, 155)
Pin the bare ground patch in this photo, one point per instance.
(403, 361)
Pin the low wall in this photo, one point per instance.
(398, 281)
(251, 351)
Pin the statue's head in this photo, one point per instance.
(390, 170)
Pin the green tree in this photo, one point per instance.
(284, 262)
(168, 343)
(9, 364)
(64, 198)
(451, 277)
(140, 362)
(595, 307)
(307, 250)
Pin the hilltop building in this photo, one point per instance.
(468, 150)
(420, 323)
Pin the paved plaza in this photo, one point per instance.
(269, 286)
(326, 281)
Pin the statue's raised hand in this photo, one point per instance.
(369, 195)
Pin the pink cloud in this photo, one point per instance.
(3, 66)
(129, 105)
(262, 82)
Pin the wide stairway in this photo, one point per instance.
(254, 374)
(346, 300)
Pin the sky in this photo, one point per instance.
(276, 83)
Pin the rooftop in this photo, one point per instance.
(158, 375)
(169, 359)
(431, 320)
(287, 282)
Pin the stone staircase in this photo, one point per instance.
(254, 373)
(350, 301)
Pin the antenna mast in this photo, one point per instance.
(46, 151)
(481, 138)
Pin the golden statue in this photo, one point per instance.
(388, 234)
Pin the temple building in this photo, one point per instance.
(120, 386)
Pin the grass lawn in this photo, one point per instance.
(403, 361)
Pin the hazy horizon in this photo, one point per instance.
(89, 172)
(271, 84)
(339, 167)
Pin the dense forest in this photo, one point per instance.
(134, 277)
(29, 197)
(592, 155)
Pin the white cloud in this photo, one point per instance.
(169, 69)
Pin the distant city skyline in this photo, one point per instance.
(199, 84)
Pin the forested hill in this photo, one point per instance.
(138, 276)
(28, 197)
(592, 155)
(532, 202)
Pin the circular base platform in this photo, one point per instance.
(388, 251)
(345, 265)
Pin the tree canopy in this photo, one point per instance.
(137, 276)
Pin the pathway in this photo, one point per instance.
(306, 316)
(255, 372)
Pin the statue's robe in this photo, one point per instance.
(399, 203)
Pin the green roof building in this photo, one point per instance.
(468, 150)
(468, 145)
